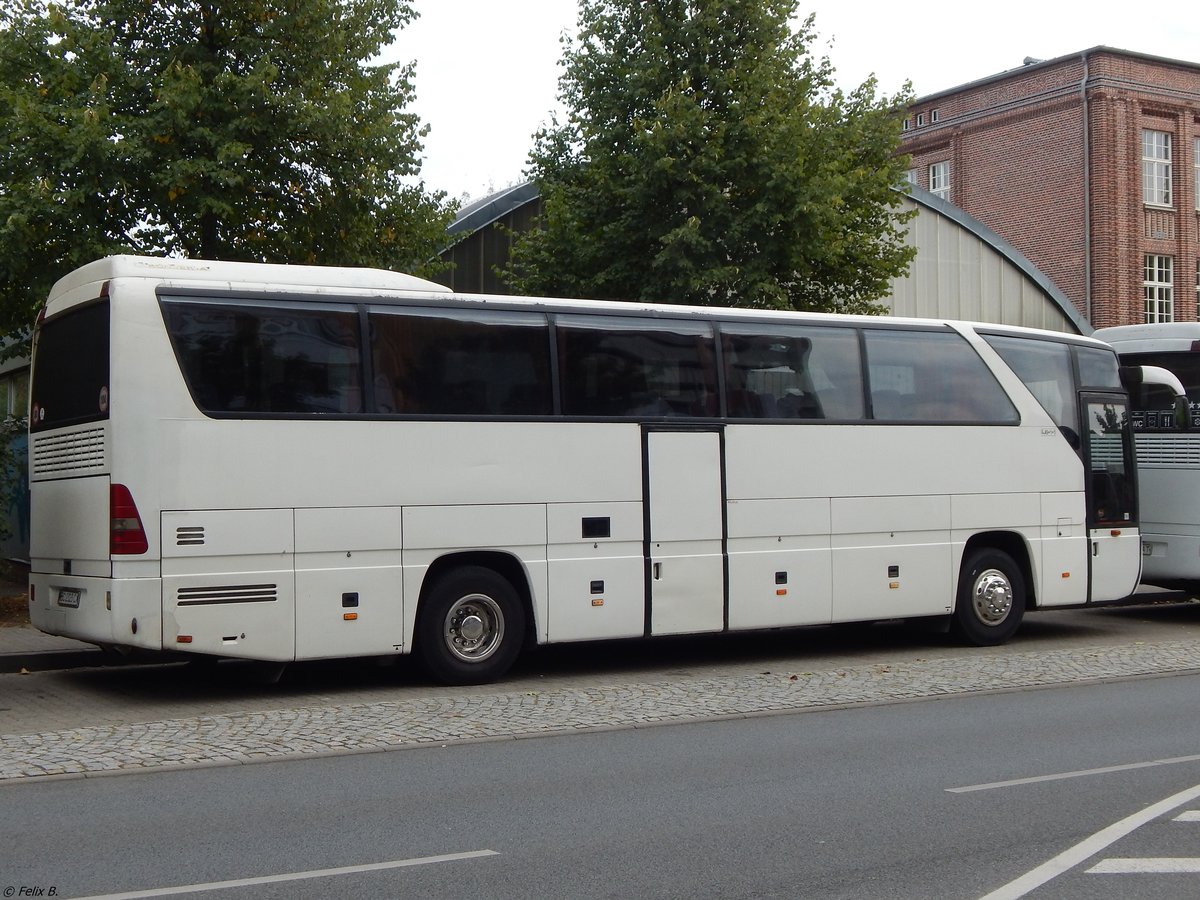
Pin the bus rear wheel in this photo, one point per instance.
(471, 627)
(991, 598)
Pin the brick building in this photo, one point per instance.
(1089, 165)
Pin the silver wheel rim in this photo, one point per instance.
(992, 597)
(474, 628)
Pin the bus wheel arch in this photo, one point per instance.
(473, 617)
(993, 589)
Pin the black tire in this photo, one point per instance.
(470, 627)
(991, 598)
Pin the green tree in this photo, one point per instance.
(222, 129)
(707, 157)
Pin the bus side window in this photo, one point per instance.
(279, 359)
(1044, 367)
(789, 372)
(460, 362)
(634, 368)
(933, 376)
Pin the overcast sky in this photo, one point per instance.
(487, 70)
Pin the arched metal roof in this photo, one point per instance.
(1012, 299)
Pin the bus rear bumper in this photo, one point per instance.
(104, 611)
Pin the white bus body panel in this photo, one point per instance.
(349, 582)
(72, 500)
(229, 582)
(598, 583)
(905, 513)
(891, 554)
(779, 563)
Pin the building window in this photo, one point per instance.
(905, 123)
(1196, 170)
(911, 176)
(14, 394)
(1159, 290)
(920, 119)
(934, 116)
(939, 180)
(1156, 168)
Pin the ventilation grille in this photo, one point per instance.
(1173, 451)
(65, 455)
(189, 536)
(227, 593)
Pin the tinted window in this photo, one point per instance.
(1098, 368)
(70, 368)
(922, 376)
(246, 359)
(459, 362)
(634, 367)
(1044, 367)
(1185, 365)
(785, 372)
(1112, 493)
(1154, 404)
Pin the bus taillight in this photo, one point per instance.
(127, 535)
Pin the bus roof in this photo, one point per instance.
(325, 280)
(201, 270)
(1153, 337)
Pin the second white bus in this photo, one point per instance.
(1168, 458)
(286, 463)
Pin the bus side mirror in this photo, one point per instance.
(1167, 379)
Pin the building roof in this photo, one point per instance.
(486, 210)
(1031, 64)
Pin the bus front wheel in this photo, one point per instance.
(991, 598)
(471, 627)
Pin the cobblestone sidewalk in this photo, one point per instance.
(366, 727)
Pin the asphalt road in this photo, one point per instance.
(923, 799)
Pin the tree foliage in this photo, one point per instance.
(707, 157)
(223, 129)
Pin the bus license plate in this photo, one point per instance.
(69, 597)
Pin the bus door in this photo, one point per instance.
(1115, 542)
(684, 490)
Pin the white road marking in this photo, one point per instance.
(1146, 866)
(294, 876)
(1082, 773)
(1089, 847)
(1191, 815)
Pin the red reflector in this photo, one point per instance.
(184, 639)
(126, 535)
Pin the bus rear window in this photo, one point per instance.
(70, 369)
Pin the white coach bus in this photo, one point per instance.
(286, 463)
(1168, 459)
